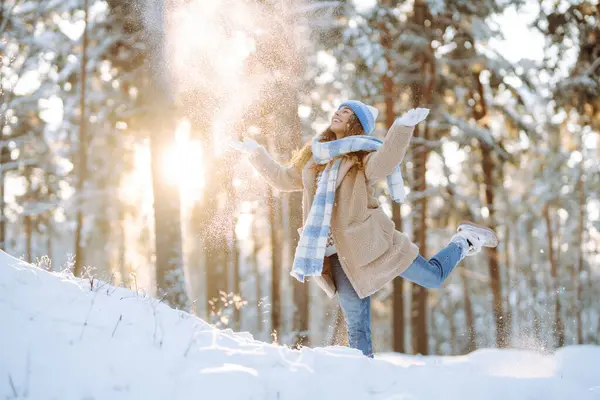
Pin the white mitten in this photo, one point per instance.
(413, 117)
(247, 145)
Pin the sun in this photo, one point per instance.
(183, 164)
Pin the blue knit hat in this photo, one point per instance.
(366, 114)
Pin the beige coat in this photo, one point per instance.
(369, 248)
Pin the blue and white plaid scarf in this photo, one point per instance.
(310, 252)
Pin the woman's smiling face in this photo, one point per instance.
(340, 120)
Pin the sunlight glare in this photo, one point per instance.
(243, 228)
(183, 164)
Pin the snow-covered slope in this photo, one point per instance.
(61, 340)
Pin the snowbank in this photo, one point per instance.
(61, 340)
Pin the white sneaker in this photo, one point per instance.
(477, 236)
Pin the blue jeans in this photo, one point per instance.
(357, 312)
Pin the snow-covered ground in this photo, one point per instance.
(61, 340)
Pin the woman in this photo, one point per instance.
(348, 244)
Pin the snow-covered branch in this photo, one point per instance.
(482, 134)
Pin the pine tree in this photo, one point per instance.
(83, 145)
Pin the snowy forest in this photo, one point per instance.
(116, 120)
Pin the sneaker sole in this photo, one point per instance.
(491, 233)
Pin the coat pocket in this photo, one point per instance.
(368, 240)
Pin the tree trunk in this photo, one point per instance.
(83, 143)
(469, 320)
(470, 327)
(122, 256)
(28, 238)
(212, 225)
(398, 344)
(170, 277)
(257, 275)
(580, 229)
(519, 266)
(301, 290)
(502, 336)
(389, 94)
(480, 112)
(237, 290)
(450, 315)
(27, 211)
(558, 328)
(533, 285)
(4, 158)
(437, 336)
(199, 255)
(419, 293)
(49, 252)
(507, 279)
(419, 332)
(421, 91)
(300, 321)
(398, 295)
(276, 255)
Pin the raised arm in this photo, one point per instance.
(286, 179)
(382, 162)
